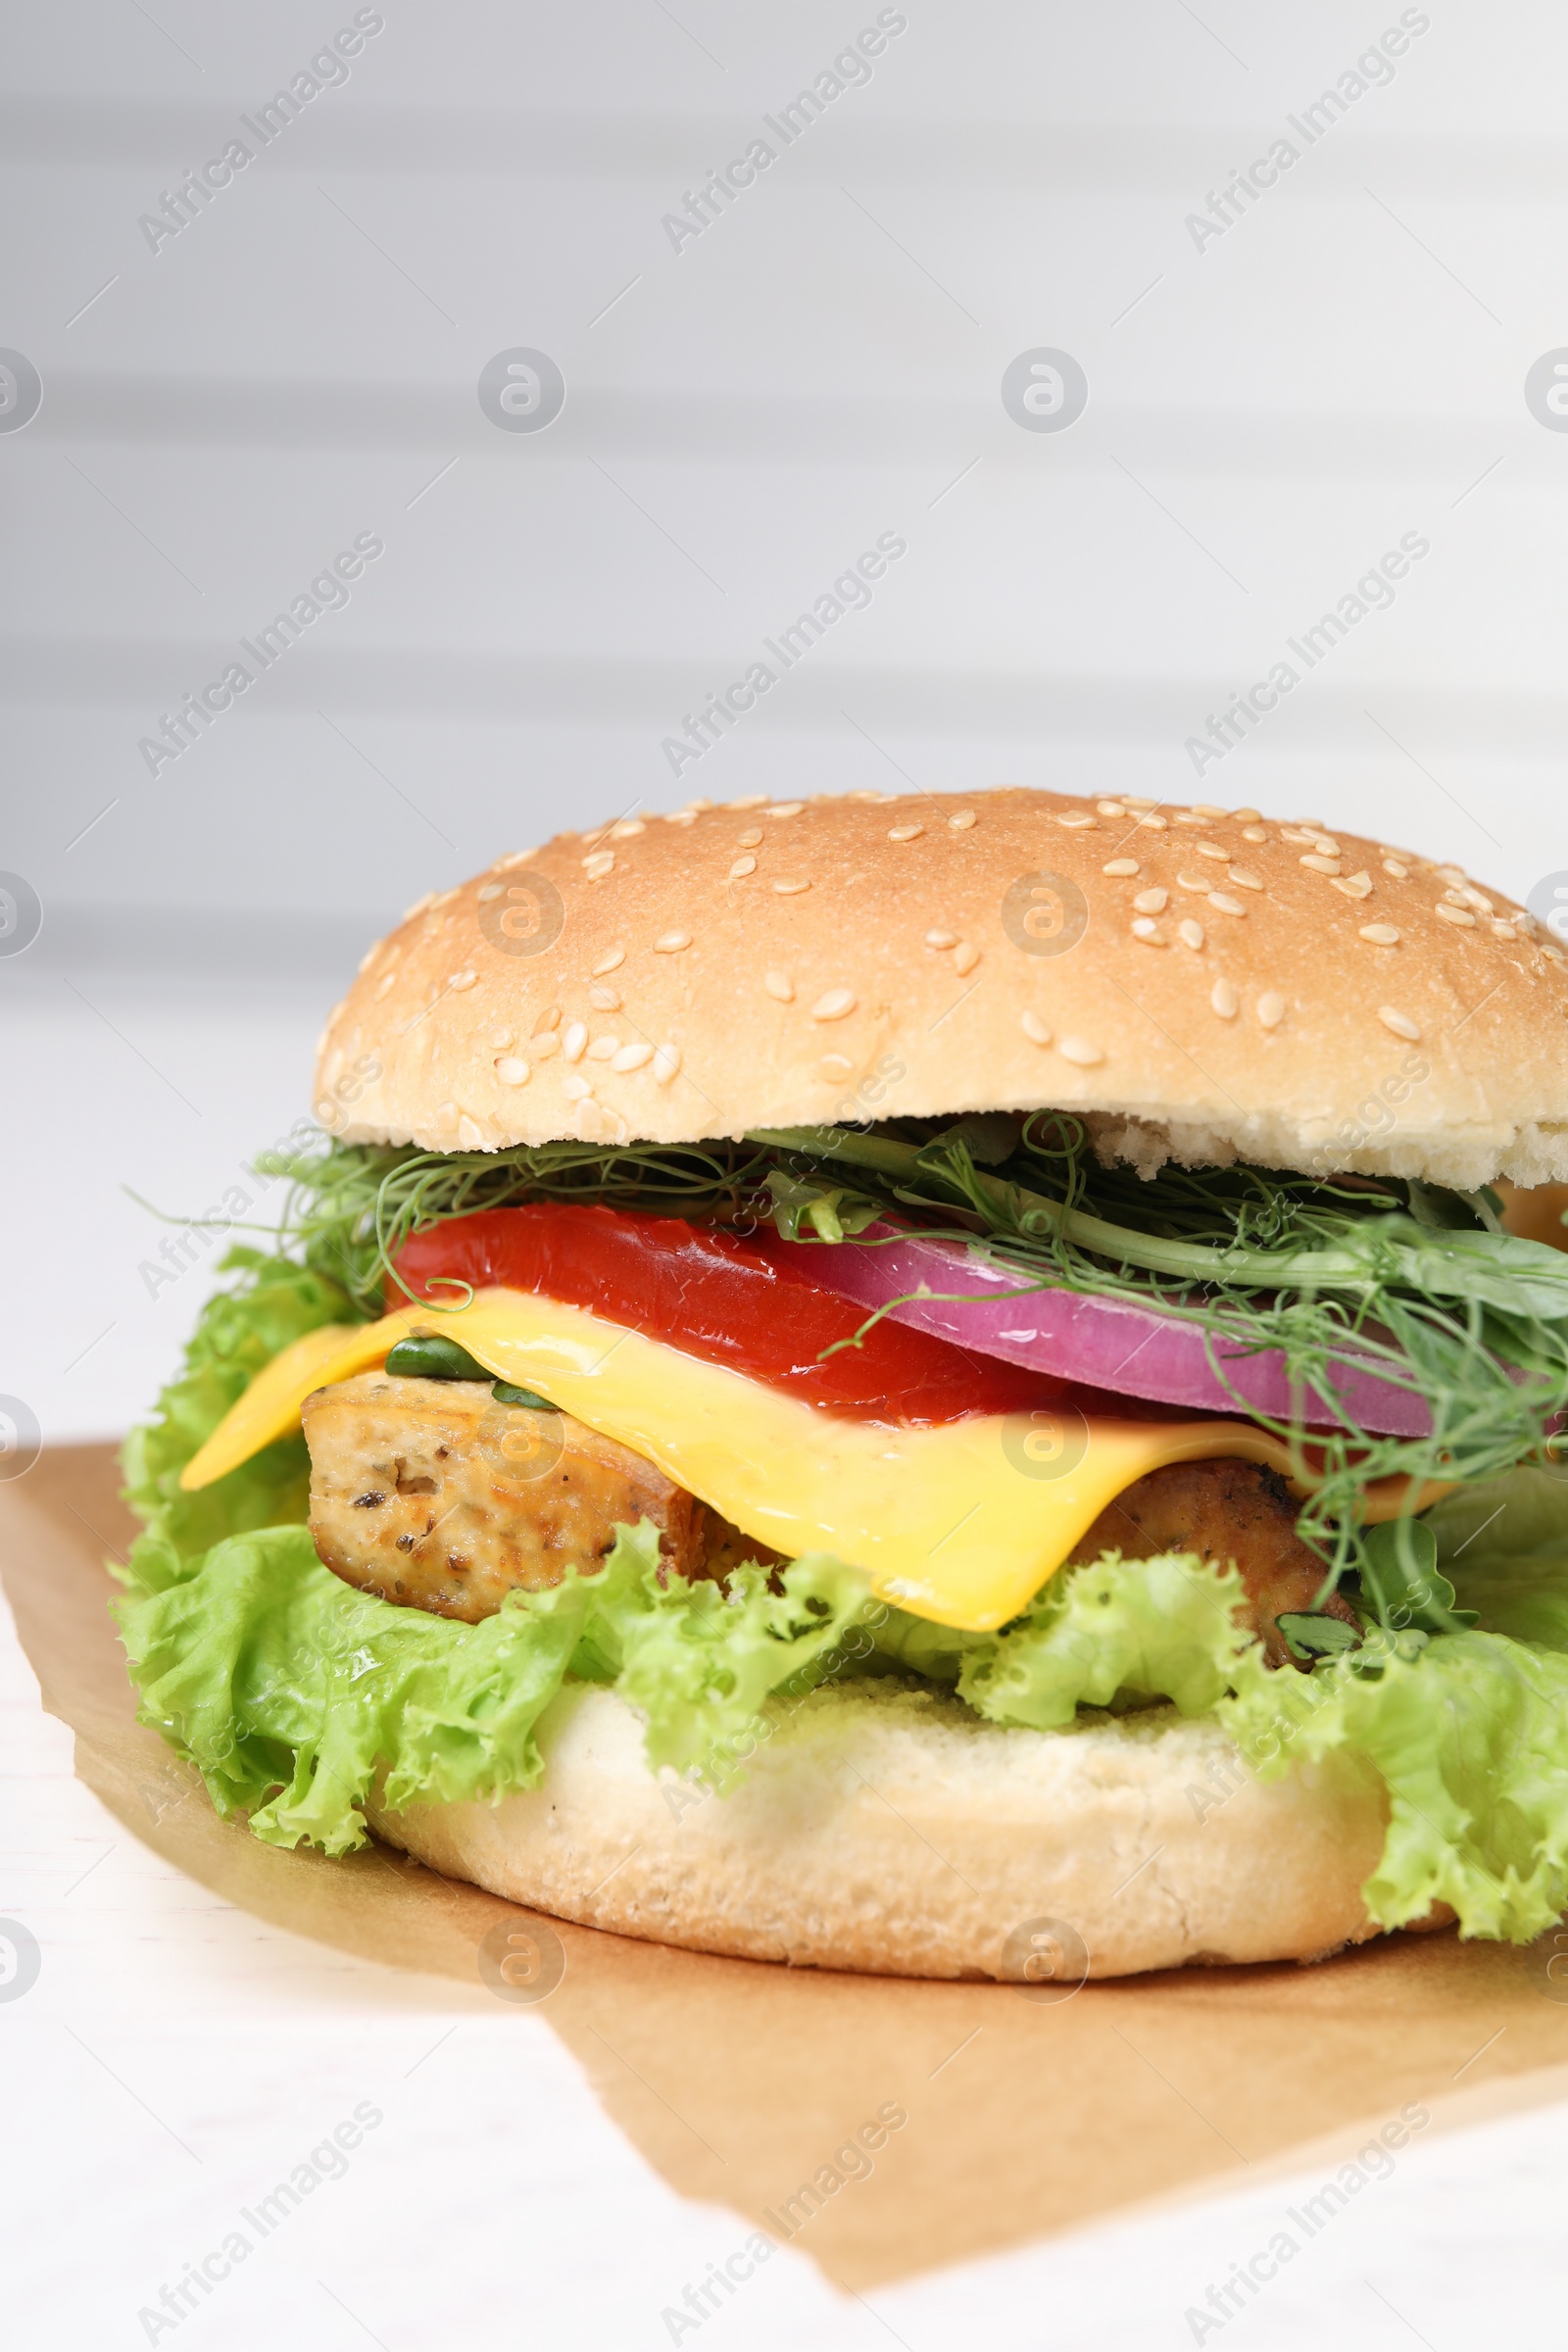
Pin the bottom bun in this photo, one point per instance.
(891, 1831)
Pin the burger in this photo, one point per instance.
(942, 1386)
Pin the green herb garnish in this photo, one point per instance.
(1308, 1635)
(430, 1358)
(505, 1393)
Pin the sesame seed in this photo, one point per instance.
(750, 838)
(1207, 809)
(965, 957)
(601, 864)
(1190, 934)
(418, 907)
(833, 1006)
(383, 984)
(1148, 931)
(942, 939)
(596, 835)
(1556, 953)
(834, 1067)
(1077, 824)
(1080, 1051)
(1156, 824)
(1397, 868)
(513, 857)
(1456, 915)
(1152, 901)
(1247, 816)
(1193, 881)
(1111, 808)
(549, 1018)
(780, 986)
(1225, 905)
(1034, 1028)
(1253, 833)
(666, 1061)
(445, 898)
(627, 828)
(631, 1057)
(491, 890)
(1120, 867)
(670, 943)
(1270, 1008)
(905, 832)
(741, 869)
(576, 1089)
(963, 821)
(680, 816)
(1450, 873)
(786, 808)
(543, 1044)
(1318, 863)
(1501, 930)
(791, 889)
(512, 1071)
(609, 963)
(1224, 1000)
(1382, 935)
(1355, 886)
(470, 1135)
(446, 1118)
(604, 1000)
(1211, 849)
(501, 1038)
(604, 1048)
(1399, 1022)
(750, 799)
(1135, 799)
(461, 980)
(1191, 816)
(1244, 877)
(575, 1044)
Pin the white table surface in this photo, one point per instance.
(177, 2056)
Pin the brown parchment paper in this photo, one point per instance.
(740, 2082)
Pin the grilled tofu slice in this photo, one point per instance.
(431, 1494)
(1223, 1510)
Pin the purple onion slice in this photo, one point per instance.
(1102, 1341)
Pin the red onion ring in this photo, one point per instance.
(1100, 1340)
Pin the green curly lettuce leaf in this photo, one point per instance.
(1118, 1634)
(295, 1694)
(1470, 1732)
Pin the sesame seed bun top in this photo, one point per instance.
(1208, 985)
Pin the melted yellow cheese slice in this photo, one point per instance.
(961, 1524)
